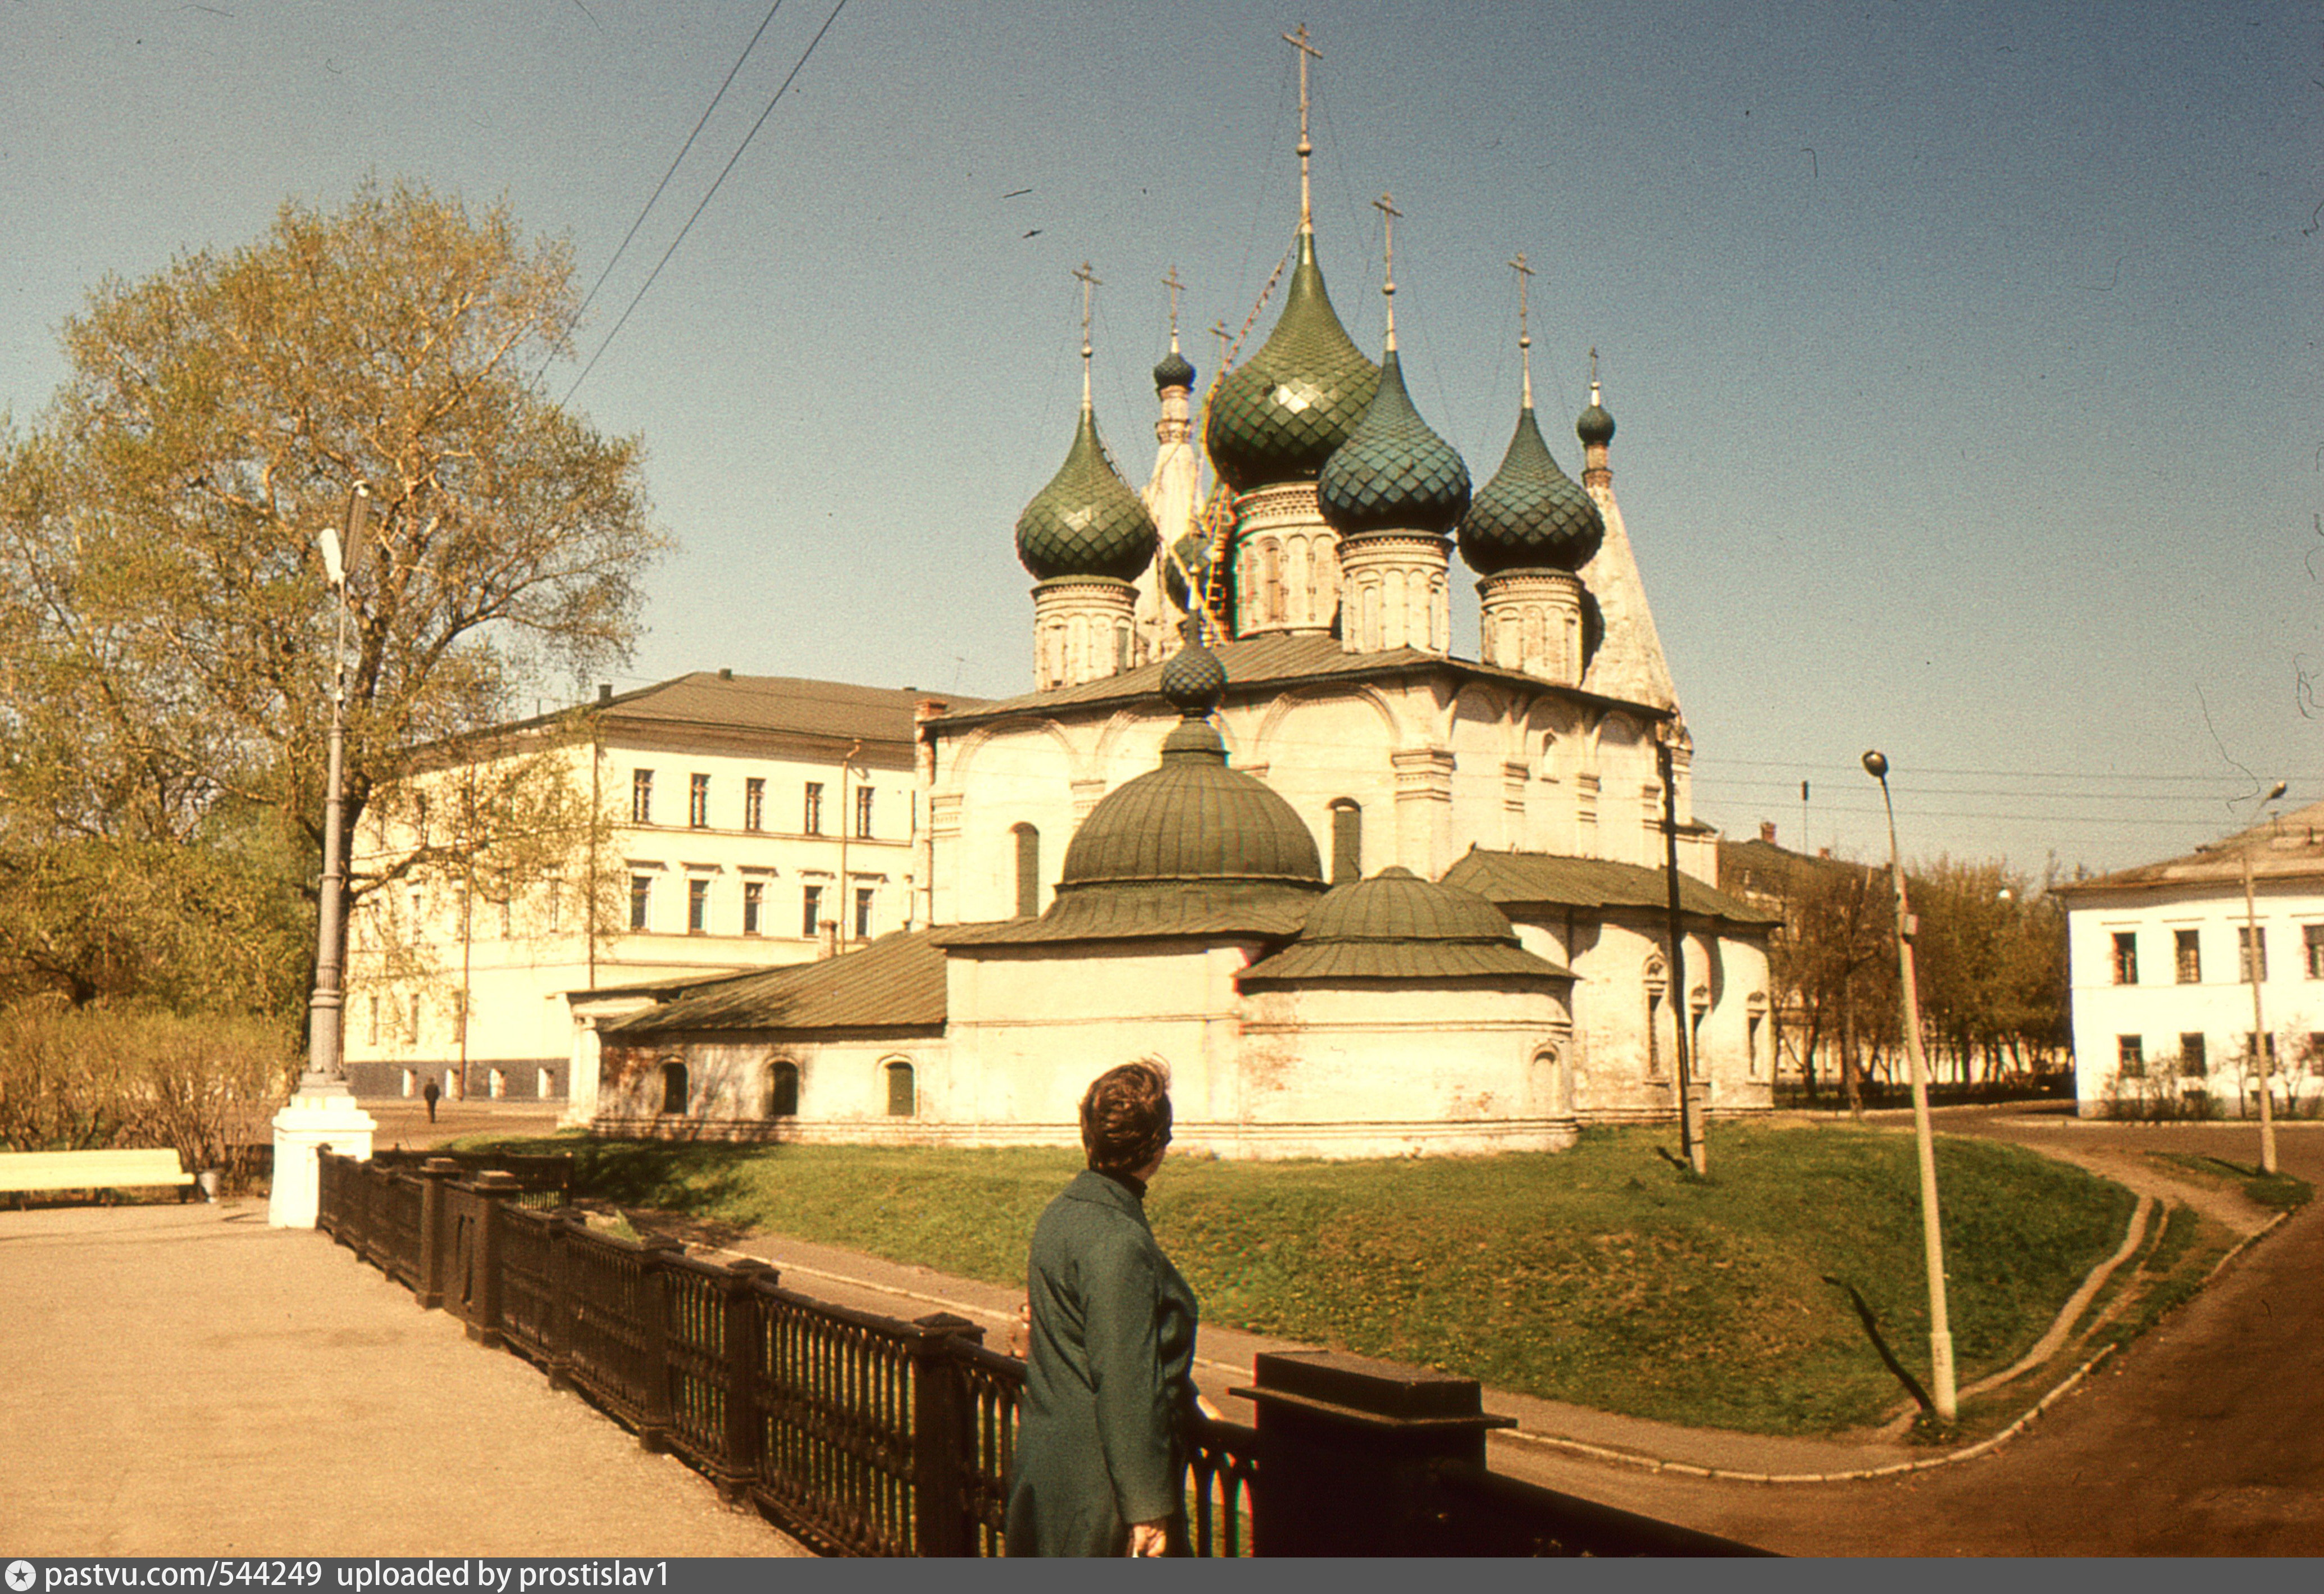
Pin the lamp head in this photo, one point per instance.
(1876, 764)
(2277, 791)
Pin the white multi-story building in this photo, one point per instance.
(2161, 958)
(743, 822)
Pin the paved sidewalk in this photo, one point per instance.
(185, 1380)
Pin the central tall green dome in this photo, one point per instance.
(1279, 417)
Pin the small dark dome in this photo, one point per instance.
(1397, 905)
(1174, 371)
(1393, 474)
(1279, 417)
(1396, 926)
(1532, 515)
(1595, 426)
(1193, 680)
(1086, 521)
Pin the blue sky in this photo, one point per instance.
(1965, 357)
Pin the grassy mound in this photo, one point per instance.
(1602, 1275)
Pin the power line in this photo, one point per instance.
(674, 242)
(682, 152)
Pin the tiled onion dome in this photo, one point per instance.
(1532, 515)
(1174, 371)
(1393, 474)
(1279, 417)
(1595, 426)
(1086, 521)
(1192, 821)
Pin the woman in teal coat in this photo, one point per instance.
(1101, 1460)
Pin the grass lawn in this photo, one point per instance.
(1601, 1275)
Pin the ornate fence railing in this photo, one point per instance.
(869, 1435)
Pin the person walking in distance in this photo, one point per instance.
(1101, 1460)
(428, 1095)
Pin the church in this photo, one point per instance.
(1362, 897)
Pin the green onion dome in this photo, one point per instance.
(1532, 515)
(1595, 426)
(1279, 417)
(1192, 821)
(1393, 474)
(1086, 521)
(1174, 371)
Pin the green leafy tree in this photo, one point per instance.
(166, 621)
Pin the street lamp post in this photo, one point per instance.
(2254, 958)
(1941, 1335)
(1690, 1130)
(323, 1112)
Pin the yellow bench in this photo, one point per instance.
(89, 1170)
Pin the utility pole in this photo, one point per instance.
(1690, 1133)
(2254, 960)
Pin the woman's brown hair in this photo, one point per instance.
(1125, 1117)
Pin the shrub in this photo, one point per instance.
(73, 1079)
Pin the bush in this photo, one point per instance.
(2161, 1091)
(76, 1079)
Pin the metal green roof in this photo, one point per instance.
(896, 983)
(1277, 417)
(1532, 515)
(1393, 474)
(1256, 910)
(1086, 521)
(1396, 926)
(1595, 425)
(1192, 820)
(1549, 880)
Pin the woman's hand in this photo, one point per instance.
(1147, 1538)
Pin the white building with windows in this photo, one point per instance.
(746, 822)
(2161, 959)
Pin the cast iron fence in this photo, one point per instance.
(861, 1435)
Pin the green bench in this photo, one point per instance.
(22, 1171)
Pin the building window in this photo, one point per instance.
(412, 1027)
(640, 896)
(1028, 870)
(1347, 842)
(2130, 1055)
(810, 910)
(864, 813)
(2249, 937)
(2188, 948)
(900, 1098)
(863, 913)
(556, 889)
(641, 797)
(754, 804)
(371, 1032)
(2192, 1062)
(697, 907)
(2250, 1051)
(2126, 957)
(782, 1089)
(753, 896)
(697, 801)
(2313, 936)
(673, 1088)
(811, 822)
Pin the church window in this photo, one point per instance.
(902, 1101)
(1273, 607)
(673, 1088)
(1028, 870)
(782, 1089)
(641, 797)
(1347, 842)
